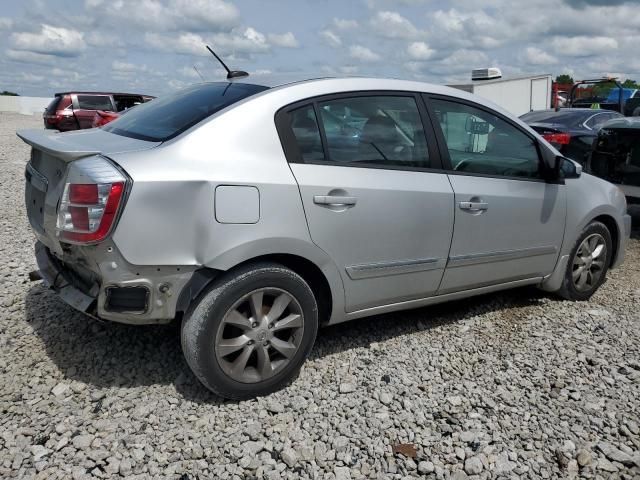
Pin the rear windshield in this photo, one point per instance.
(53, 105)
(166, 117)
(561, 117)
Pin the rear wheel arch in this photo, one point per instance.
(307, 269)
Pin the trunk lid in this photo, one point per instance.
(45, 174)
(543, 127)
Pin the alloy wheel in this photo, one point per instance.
(588, 263)
(259, 335)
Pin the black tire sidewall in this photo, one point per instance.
(201, 326)
(569, 288)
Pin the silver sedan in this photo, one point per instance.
(254, 213)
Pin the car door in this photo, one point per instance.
(374, 195)
(509, 222)
(85, 107)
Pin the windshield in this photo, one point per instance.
(614, 95)
(166, 117)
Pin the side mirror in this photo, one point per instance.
(566, 168)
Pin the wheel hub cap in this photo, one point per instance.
(588, 263)
(259, 335)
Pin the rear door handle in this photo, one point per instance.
(336, 200)
(473, 206)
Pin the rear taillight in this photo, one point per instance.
(90, 202)
(558, 138)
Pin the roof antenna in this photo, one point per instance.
(230, 73)
(201, 77)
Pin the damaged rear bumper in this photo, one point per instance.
(56, 278)
(112, 289)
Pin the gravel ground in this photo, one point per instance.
(511, 385)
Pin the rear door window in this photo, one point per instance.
(95, 102)
(375, 131)
(168, 116)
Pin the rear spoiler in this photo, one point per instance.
(55, 144)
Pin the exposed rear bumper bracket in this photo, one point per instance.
(55, 278)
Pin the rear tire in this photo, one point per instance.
(636, 112)
(251, 331)
(588, 263)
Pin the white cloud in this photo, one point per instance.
(58, 41)
(194, 15)
(393, 25)
(30, 57)
(463, 60)
(245, 41)
(363, 54)
(5, 23)
(419, 51)
(285, 40)
(536, 56)
(330, 38)
(126, 67)
(584, 46)
(69, 75)
(31, 78)
(344, 24)
(103, 39)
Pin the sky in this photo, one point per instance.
(152, 46)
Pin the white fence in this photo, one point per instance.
(23, 105)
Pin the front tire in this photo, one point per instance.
(252, 330)
(588, 263)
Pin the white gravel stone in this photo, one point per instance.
(82, 442)
(342, 473)
(473, 466)
(289, 457)
(426, 467)
(347, 388)
(60, 389)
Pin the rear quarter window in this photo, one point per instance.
(166, 117)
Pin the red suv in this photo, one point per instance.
(76, 110)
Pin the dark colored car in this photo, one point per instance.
(616, 155)
(570, 130)
(77, 110)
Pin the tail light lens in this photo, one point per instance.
(557, 138)
(90, 202)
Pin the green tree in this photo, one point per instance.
(10, 94)
(628, 83)
(564, 78)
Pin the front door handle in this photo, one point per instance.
(473, 206)
(335, 200)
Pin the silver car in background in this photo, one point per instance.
(256, 213)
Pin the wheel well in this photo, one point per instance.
(311, 274)
(303, 267)
(612, 226)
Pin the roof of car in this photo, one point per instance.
(589, 111)
(75, 92)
